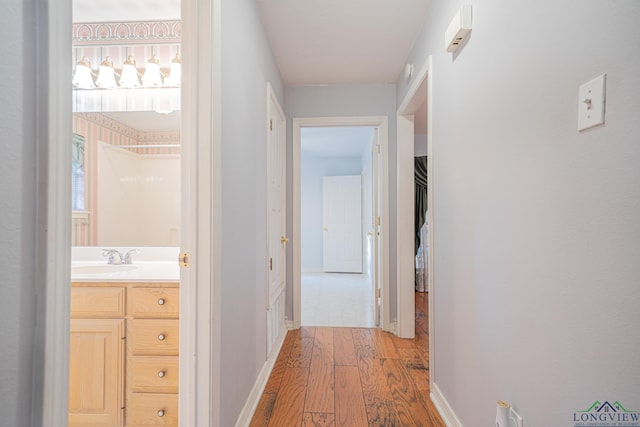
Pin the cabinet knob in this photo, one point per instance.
(161, 412)
(161, 337)
(161, 374)
(161, 301)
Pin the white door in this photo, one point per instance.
(276, 202)
(342, 219)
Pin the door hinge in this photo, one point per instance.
(377, 148)
(183, 260)
(378, 221)
(271, 264)
(271, 124)
(377, 293)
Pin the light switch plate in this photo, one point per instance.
(591, 102)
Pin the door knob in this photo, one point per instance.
(283, 239)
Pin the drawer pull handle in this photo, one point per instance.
(161, 413)
(161, 337)
(161, 301)
(161, 374)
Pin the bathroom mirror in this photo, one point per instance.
(126, 179)
(126, 124)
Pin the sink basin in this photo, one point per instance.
(101, 269)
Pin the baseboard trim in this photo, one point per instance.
(288, 324)
(443, 407)
(244, 419)
(393, 327)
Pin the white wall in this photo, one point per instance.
(342, 101)
(18, 176)
(537, 231)
(311, 224)
(138, 198)
(247, 65)
(420, 145)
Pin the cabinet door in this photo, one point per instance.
(96, 373)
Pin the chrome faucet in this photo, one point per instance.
(115, 257)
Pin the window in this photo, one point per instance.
(77, 174)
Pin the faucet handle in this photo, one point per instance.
(110, 253)
(127, 257)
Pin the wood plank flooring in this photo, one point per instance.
(350, 377)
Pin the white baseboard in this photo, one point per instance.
(441, 404)
(393, 327)
(244, 419)
(288, 324)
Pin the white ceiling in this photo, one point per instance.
(335, 141)
(342, 41)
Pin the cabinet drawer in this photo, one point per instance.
(154, 302)
(97, 302)
(154, 374)
(146, 409)
(157, 337)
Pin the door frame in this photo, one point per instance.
(199, 364)
(420, 90)
(374, 121)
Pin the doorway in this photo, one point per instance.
(313, 160)
(337, 226)
(199, 401)
(418, 97)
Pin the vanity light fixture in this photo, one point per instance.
(129, 76)
(175, 72)
(83, 78)
(151, 76)
(106, 75)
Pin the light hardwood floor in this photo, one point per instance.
(351, 377)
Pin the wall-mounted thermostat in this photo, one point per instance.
(458, 29)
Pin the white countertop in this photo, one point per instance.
(149, 265)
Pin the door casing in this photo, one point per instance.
(374, 121)
(420, 90)
(201, 102)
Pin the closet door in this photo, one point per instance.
(342, 219)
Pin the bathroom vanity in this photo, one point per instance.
(124, 344)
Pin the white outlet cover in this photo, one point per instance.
(591, 103)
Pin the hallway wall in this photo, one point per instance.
(18, 200)
(537, 237)
(247, 66)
